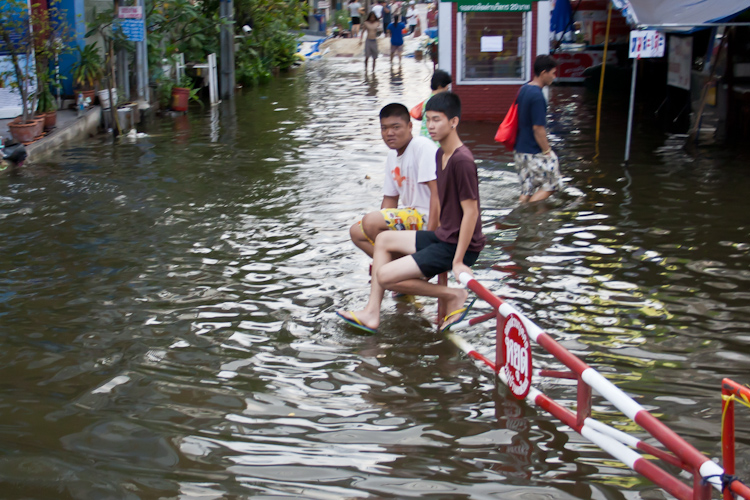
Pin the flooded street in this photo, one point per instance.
(167, 308)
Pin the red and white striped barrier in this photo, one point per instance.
(705, 472)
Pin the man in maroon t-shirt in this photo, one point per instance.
(403, 258)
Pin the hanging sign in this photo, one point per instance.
(494, 5)
(680, 59)
(491, 44)
(646, 44)
(517, 366)
(130, 12)
(133, 29)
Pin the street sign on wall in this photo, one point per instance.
(646, 44)
(133, 29)
(494, 5)
(135, 12)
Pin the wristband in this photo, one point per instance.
(549, 150)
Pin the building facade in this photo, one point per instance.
(489, 47)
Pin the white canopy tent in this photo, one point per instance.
(679, 13)
(674, 16)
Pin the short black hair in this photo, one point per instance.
(544, 62)
(440, 78)
(397, 110)
(445, 102)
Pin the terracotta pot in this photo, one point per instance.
(50, 120)
(39, 127)
(26, 132)
(90, 94)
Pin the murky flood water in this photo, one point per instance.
(167, 308)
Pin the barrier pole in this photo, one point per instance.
(731, 390)
(698, 462)
(727, 432)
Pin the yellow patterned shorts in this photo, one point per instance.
(401, 219)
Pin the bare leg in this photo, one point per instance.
(540, 195)
(393, 271)
(372, 224)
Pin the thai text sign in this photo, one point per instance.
(133, 29)
(130, 12)
(680, 58)
(646, 44)
(517, 356)
(494, 5)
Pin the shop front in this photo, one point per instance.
(490, 50)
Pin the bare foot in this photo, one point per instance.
(454, 304)
(363, 317)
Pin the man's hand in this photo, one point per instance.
(460, 267)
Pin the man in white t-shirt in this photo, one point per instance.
(411, 17)
(378, 10)
(410, 198)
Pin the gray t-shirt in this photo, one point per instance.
(354, 9)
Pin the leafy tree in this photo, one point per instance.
(32, 40)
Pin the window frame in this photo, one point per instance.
(461, 52)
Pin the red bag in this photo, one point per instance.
(508, 130)
(416, 111)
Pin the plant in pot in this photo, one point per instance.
(46, 105)
(17, 39)
(52, 38)
(184, 92)
(88, 71)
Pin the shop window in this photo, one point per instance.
(494, 47)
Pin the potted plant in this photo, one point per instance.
(52, 38)
(46, 106)
(88, 71)
(182, 93)
(17, 39)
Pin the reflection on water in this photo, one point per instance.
(168, 324)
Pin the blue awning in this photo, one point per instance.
(678, 14)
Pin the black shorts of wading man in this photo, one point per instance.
(403, 258)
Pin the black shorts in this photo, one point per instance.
(355, 21)
(434, 256)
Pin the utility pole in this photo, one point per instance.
(141, 60)
(226, 82)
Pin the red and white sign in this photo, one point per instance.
(130, 12)
(680, 59)
(646, 44)
(571, 65)
(517, 356)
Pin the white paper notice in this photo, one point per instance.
(491, 44)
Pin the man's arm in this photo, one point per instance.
(389, 202)
(540, 134)
(433, 220)
(468, 223)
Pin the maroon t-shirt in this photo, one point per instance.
(456, 183)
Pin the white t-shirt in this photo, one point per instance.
(406, 175)
(378, 10)
(411, 16)
(354, 9)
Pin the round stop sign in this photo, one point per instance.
(517, 356)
